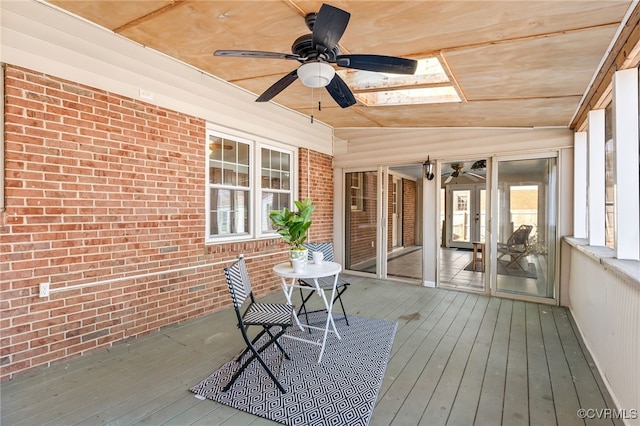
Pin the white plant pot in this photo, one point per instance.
(302, 254)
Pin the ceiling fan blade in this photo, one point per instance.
(471, 176)
(449, 179)
(255, 54)
(476, 175)
(340, 92)
(329, 26)
(278, 86)
(378, 63)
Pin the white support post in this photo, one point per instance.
(627, 169)
(596, 211)
(580, 159)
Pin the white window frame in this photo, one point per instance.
(256, 143)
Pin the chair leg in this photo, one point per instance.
(303, 306)
(275, 342)
(262, 348)
(516, 260)
(339, 298)
(256, 355)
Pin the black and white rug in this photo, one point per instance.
(340, 390)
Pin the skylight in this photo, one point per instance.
(430, 84)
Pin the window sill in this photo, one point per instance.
(628, 269)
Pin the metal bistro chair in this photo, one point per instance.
(265, 315)
(325, 283)
(517, 246)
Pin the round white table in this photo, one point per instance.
(311, 272)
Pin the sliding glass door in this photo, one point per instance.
(526, 227)
(361, 224)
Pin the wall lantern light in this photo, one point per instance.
(428, 169)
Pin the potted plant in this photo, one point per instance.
(292, 227)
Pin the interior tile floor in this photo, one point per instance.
(455, 271)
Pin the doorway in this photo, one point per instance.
(463, 219)
(525, 249)
(383, 220)
(466, 215)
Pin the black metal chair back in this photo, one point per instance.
(327, 250)
(265, 315)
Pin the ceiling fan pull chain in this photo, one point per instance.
(311, 106)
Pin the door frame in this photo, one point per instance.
(492, 241)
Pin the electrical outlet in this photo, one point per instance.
(44, 289)
(146, 95)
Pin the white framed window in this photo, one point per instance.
(356, 194)
(247, 177)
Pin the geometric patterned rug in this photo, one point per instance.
(341, 390)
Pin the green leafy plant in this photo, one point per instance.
(293, 226)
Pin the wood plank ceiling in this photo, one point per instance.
(516, 63)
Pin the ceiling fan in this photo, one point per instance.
(457, 171)
(317, 51)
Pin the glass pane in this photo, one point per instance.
(229, 212)
(286, 180)
(361, 225)
(275, 160)
(483, 214)
(285, 163)
(215, 172)
(215, 148)
(265, 156)
(243, 176)
(265, 179)
(404, 255)
(229, 174)
(461, 216)
(243, 153)
(241, 212)
(272, 201)
(526, 227)
(609, 168)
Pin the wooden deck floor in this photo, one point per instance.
(458, 358)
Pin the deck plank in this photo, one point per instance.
(516, 390)
(458, 359)
(428, 335)
(590, 396)
(541, 407)
(490, 405)
(442, 342)
(439, 407)
(463, 410)
(565, 399)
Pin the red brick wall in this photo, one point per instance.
(100, 187)
(408, 213)
(362, 224)
(316, 182)
(390, 213)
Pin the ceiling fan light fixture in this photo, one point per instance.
(316, 74)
